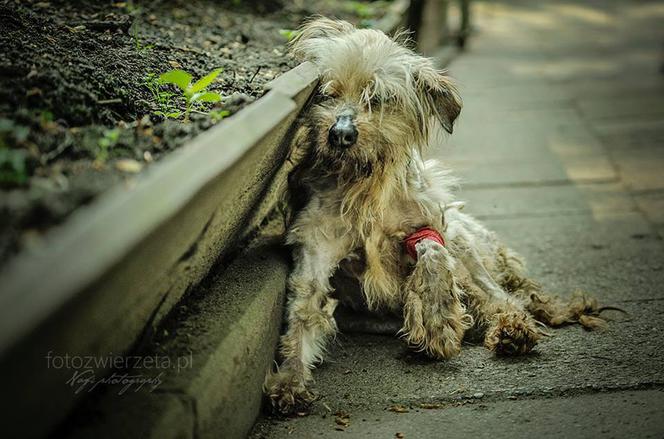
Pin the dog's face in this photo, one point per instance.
(377, 100)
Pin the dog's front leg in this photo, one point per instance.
(435, 319)
(310, 324)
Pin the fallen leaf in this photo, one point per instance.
(342, 418)
(398, 409)
(342, 421)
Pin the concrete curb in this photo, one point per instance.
(225, 336)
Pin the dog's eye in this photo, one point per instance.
(329, 93)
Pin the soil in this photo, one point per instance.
(76, 111)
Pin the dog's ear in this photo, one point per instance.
(313, 33)
(440, 96)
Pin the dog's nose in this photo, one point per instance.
(343, 133)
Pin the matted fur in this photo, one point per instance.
(364, 200)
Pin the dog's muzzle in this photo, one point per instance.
(343, 133)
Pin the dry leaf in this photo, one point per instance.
(398, 409)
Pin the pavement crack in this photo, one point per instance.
(646, 300)
(520, 395)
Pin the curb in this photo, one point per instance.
(235, 319)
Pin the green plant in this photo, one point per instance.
(130, 7)
(139, 46)
(288, 34)
(45, 117)
(107, 142)
(217, 115)
(193, 94)
(364, 10)
(13, 169)
(163, 98)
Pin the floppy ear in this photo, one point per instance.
(439, 96)
(313, 32)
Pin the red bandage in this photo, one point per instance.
(419, 235)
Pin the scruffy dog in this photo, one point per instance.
(376, 210)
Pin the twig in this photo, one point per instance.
(233, 81)
(255, 73)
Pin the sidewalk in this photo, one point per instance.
(561, 149)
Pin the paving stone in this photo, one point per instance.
(558, 200)
(607, 415)
(616, 107)
(652, 206)
(631, 133)
(641, 169)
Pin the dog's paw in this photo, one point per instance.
(287, 393)
(512, 333)
(444, 336)
(435, 328)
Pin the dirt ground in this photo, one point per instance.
(79, 102)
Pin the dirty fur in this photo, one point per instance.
(364, 200)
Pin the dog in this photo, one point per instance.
(379, 213)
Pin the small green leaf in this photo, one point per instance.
(13, 169)
(217, 115)
(178, 77)
(288, 34)
(169, 115)
(205, 81)
(206, 97)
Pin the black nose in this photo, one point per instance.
(343, 133)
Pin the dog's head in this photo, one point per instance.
(378, 99)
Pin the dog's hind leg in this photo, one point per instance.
(310, 324)
(435, 318)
